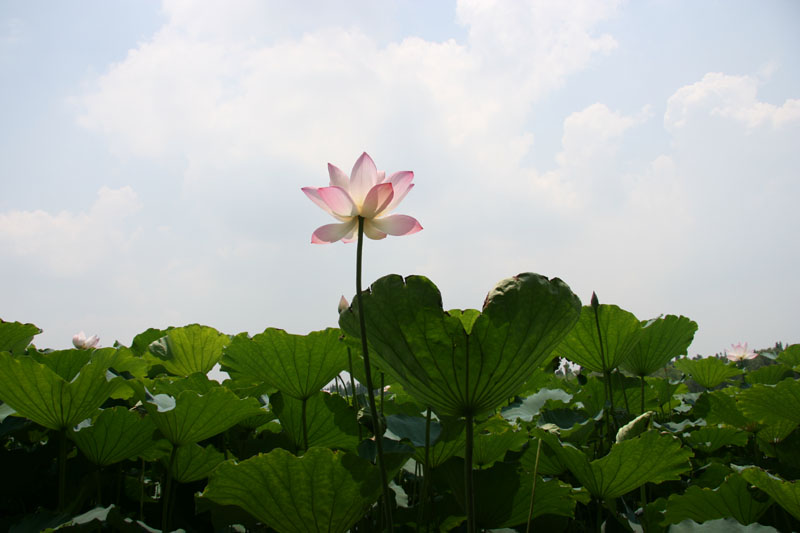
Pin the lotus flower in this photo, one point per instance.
(740, 352)
(365, 193)
(80, 341)
(343, 304)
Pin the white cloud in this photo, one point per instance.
(588, 165)
(70, 243)
(727, 97)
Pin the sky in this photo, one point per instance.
(152, 156)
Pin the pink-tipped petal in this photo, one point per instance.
(338, 201)
(397, 225)
(314, 196)
(338, 178)
(401, 183)
(372, 232)
(333, 232)
(377, 199)
(363, 178)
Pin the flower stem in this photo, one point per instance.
(377, 425)
(533, 486)
(167, 491)
(62, 470)
(468, 488)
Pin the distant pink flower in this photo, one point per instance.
(80, 341)
(343, 304)
(366, 193)
(739, 352)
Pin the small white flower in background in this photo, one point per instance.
(343, 304)
(81, 342)
(739, 352)
(565, 365)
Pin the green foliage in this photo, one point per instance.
(298, 365)
(648, 458)
(15, 336)
(708, 372)
(454, 371)
(268, 449)
(786, 493)
(65, 390)
(114, 435)
(662, 340)
(321, 491)
(732, 498)
(620, 332)
(190, 349)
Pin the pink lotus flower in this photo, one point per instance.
(740, 352)
(80, 341)
(366, 193)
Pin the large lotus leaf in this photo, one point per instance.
(330, 421)
(710, 439)
(707, 372)
(549, 463)
(493, 439)
(620, 332)
(449, 444)
(770, 404)
(648, 458)
(297, 365)
(503, 494)
(662, 340)
(786, 493)
(189, 349)
(768, 375)
(321, 491)
(115, 435)
(192, 462)
(458, 373)
(192, 417)
(412, 428)
(776, 432)
(719, 407)
(15, 336)
(527, 408)
(731, 499)
(142, 341)
(37, 392)
(790, 356)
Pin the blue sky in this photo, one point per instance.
(152, 155)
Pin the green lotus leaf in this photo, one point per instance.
(768, 375)
(620, 331)
(142, 341)
(449, 444)
(443, 366)
(635, 427)
(549, 464)
(114, 435)
(297, 365)
(192, 417)
(528, 408)
(65, 363)
(772, 403)
(786, 493)
(776, 432)
(503, 494)
(708, 372)
(731, 499)
(330, 420)
(190, 349)
(35, 391)
(662, 340)
(192, 462)
(720, 407)
(15, 336)
(412, 428)
(493, 440)
(710, 439)
(790, 356)
(321, 491)
(648, 458)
